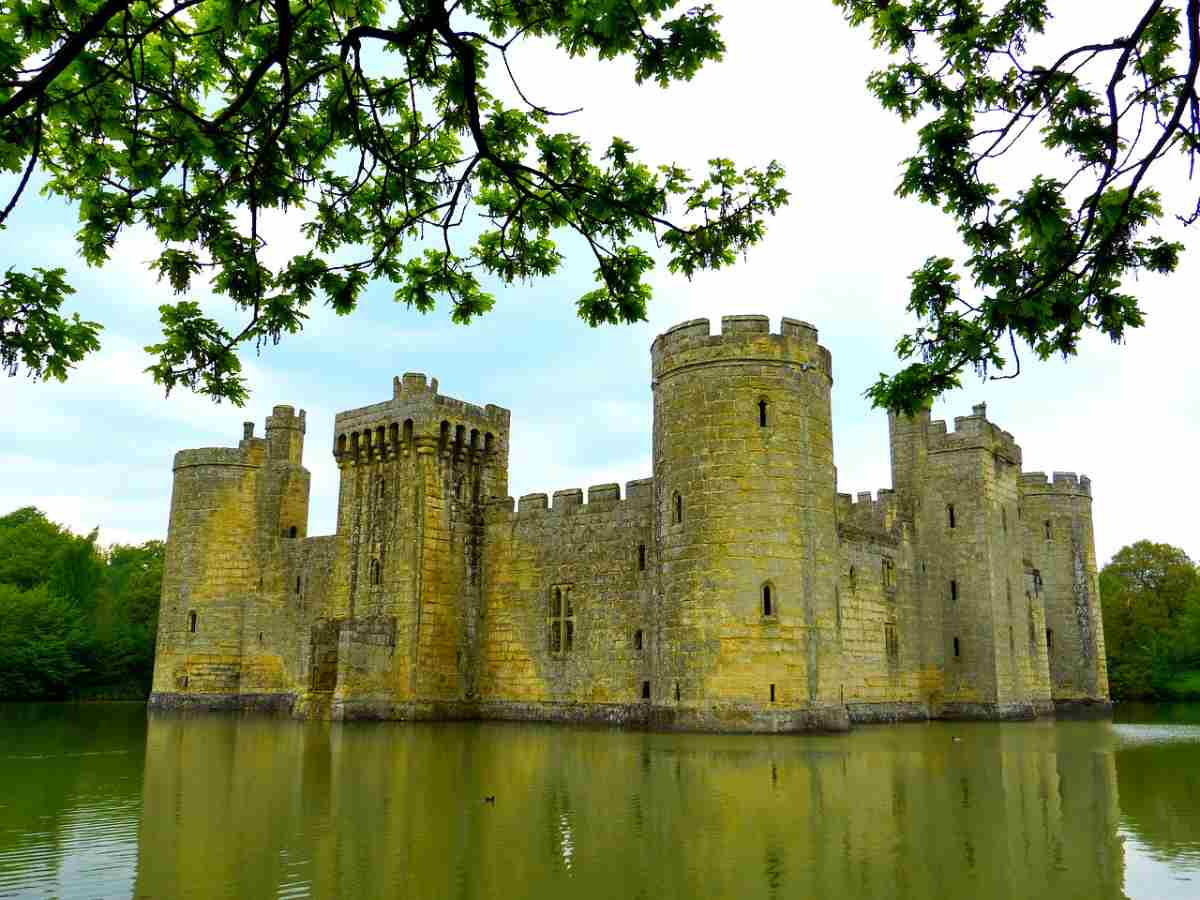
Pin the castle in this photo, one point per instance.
(734, 590)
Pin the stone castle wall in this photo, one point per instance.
(733, 589)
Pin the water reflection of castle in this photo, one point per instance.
(273, 807)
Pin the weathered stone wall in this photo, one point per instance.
(1056, 519)
(889, 632)
(565, 597)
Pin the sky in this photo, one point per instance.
(97, 450)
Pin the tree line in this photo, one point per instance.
(1150, 594)
(78, 621)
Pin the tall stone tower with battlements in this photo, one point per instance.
(733, 590)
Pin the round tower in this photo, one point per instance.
(209, 572)
(745, 528)
(1060, 545)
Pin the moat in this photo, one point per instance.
(99, 801)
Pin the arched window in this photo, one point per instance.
(950, 514)
(641, 557)
(677, 509)
(408, 432)
(1047, 529)
(1049, 638)
(762, 413)
(341, 444)
(489, 442)
(768, 602)
(637, 640)
(192, 621)
(375, 571)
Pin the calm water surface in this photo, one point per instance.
(98, 801)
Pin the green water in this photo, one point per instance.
(96, 801)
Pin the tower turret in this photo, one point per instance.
(745, 528)
(231, 507)
(1056, 515)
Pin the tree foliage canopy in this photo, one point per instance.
(74, 620)
(1151, 602)
(384, 123)
(1048, 259)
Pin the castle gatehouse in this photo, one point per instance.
(732, 590)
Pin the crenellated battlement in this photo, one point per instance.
(285, 427)
(418, 415)
(865, 512)
(745, 338)
(973, 432)
(600, 497)
(1062, 483)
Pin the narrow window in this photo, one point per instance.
(185, 682)
(1004, 519)
(1012, 646)
(677, 692)
(772, 693)
(953, 591)
(645, 690)
(562, 621)
(1037, 583)
(382, 488)
(1047, 529)
(376, 572)
(950, 513)
(891, 642)
(678, 511)
(192, 622)
(853, 579)
(641, 557)
(1049, 638)
(1008, 594)
(260, 639)
(889, 572)
(292, 531)
(956, 648)
(637, 640)
(297, 584)
(762, 413)
(767, 609)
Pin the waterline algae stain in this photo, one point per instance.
(99, 802)
(733, 590)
